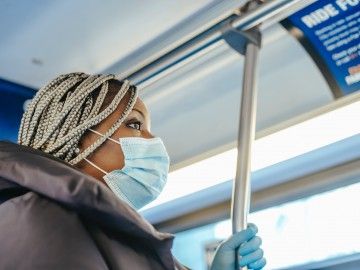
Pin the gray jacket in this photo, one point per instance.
(53, 216)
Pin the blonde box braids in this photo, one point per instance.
(62, 111)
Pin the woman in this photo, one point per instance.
(86, 160)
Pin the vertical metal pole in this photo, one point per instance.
(242, 187)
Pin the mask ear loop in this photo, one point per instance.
(97, 167)
(98, 133)
(93, 164)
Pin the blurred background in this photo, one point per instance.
(306, 157)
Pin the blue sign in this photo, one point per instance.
(330, 30)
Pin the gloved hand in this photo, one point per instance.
(249, 253)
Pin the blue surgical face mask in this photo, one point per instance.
(144, 174)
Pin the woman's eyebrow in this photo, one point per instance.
(134, 109)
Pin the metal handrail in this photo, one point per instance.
(148, 68)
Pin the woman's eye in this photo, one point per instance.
(135, 125)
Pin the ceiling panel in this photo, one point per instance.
(41, 39)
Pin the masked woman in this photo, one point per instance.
(84, 163)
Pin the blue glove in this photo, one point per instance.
(249, 252)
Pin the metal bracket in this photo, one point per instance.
(238, 39)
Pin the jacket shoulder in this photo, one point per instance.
(39, 233)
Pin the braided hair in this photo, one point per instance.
(62, 111)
